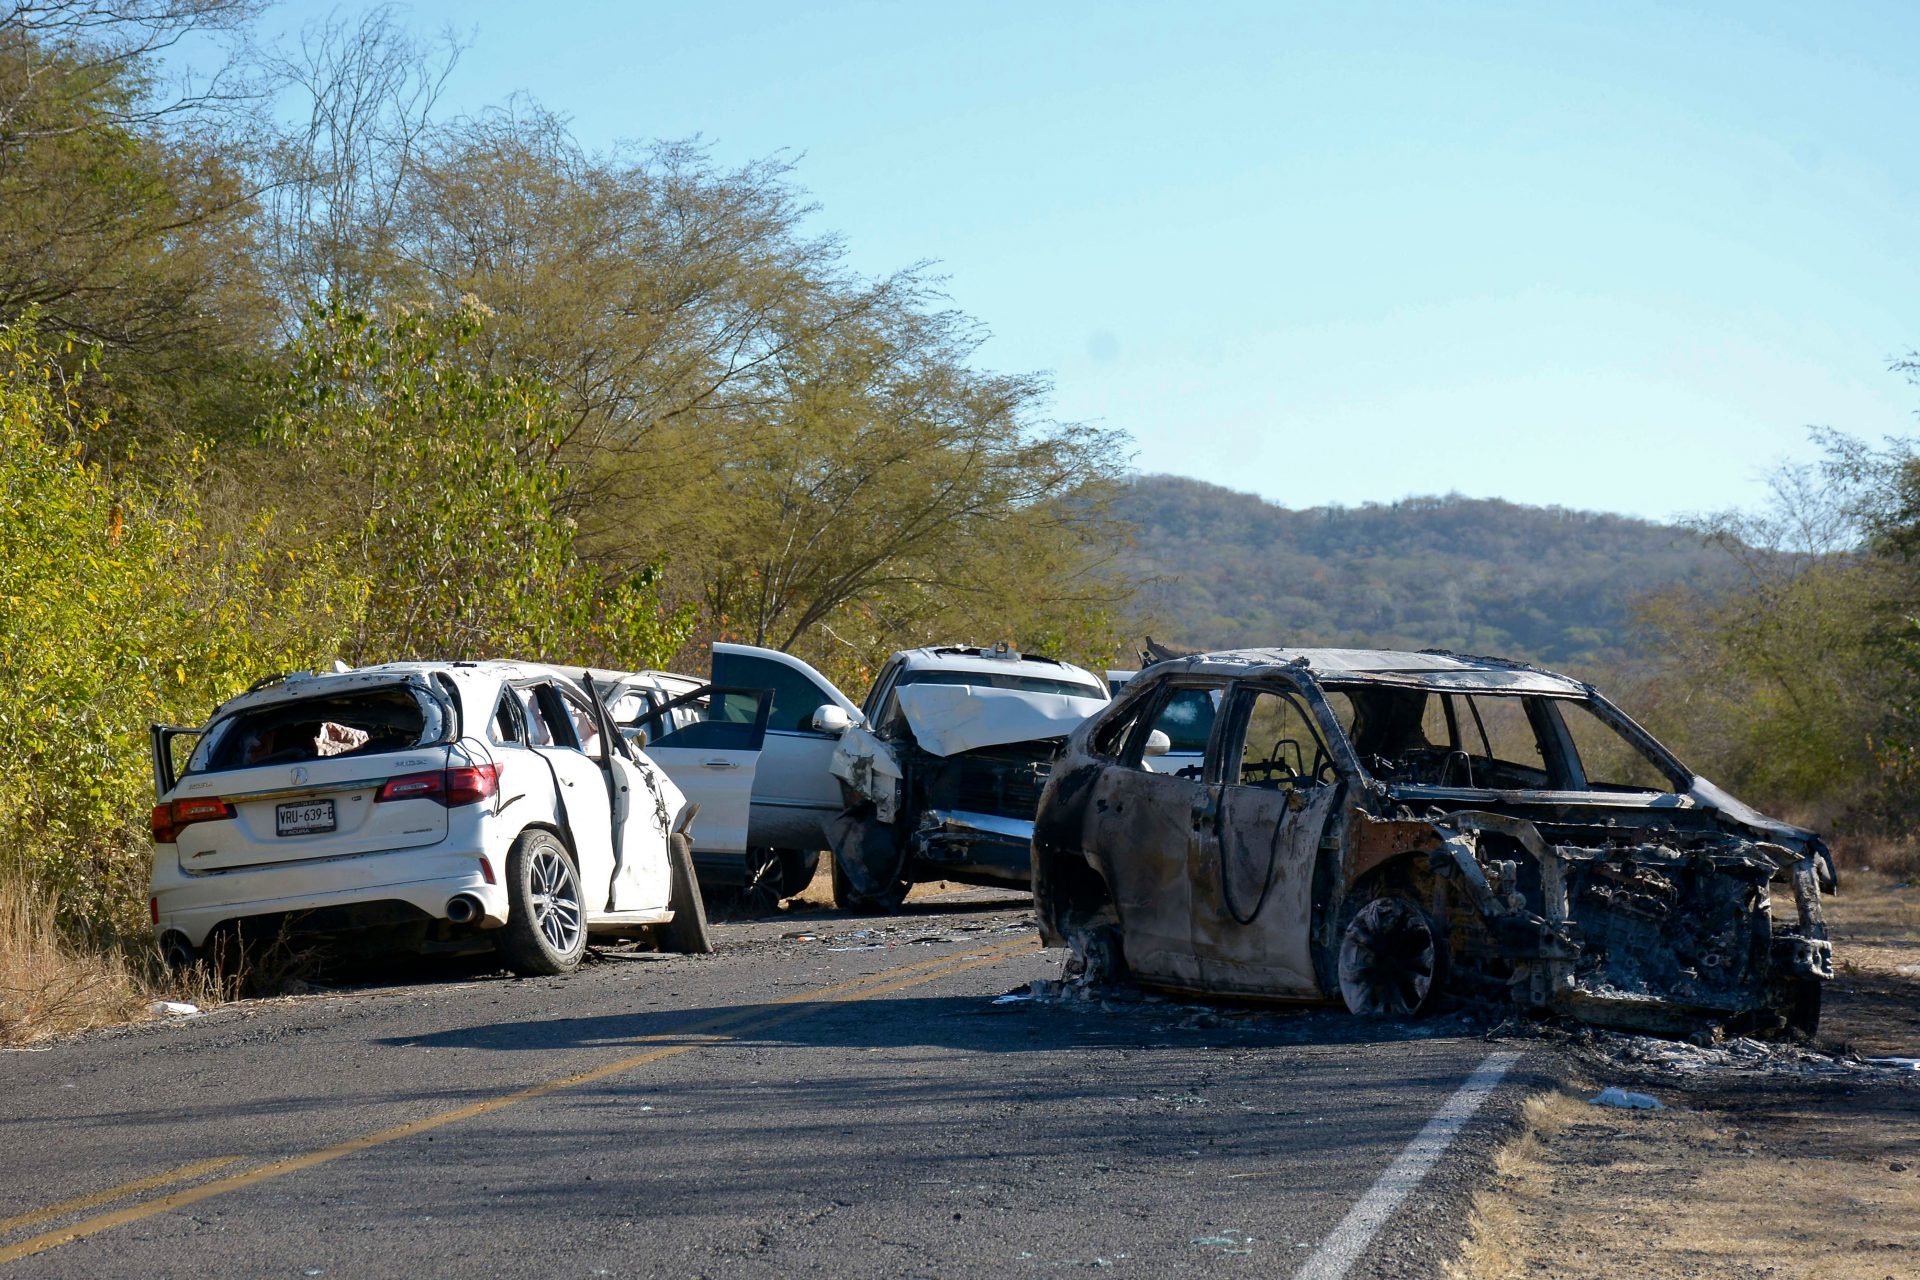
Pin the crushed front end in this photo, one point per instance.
(1645, 926)
(974, 811)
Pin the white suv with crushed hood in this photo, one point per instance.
(450, 803)
(943, 772)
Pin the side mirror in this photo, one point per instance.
(1158, 743)
(831, 718)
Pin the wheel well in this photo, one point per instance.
(1406, 874)
(1075, 895)
(553, 831)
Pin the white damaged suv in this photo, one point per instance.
(446, 805)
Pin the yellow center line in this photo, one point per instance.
(111, 1194)
(711, 1031)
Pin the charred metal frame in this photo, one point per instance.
(1625, 908)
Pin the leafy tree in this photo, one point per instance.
(122, 215)
(435, 482)
(885, 479)
(1795, 682)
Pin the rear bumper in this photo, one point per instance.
(194, 905)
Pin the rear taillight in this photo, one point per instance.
(468, 784)
(413, 786)
(169, 819)
(153, 909)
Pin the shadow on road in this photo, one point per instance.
(971, 1023)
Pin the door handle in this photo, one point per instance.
(719, 764)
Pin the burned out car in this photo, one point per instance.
(943, 769)
(1385, 828)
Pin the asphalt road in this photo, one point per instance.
(852, 1104)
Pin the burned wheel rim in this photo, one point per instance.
(555, 897)
(1391, 960)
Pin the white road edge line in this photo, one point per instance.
(1340, 1250)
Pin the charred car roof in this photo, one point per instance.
(1425, 669)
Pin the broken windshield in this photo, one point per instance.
(1491, 741)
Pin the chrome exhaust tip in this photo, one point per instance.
(464, 909)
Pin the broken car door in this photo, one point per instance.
(576, 754)
(1256, 842)
(1139, 828)
(638, 879)
(713, 761)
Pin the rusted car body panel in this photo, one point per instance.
(1464, 793)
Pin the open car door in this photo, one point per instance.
(797, 792)
(709, 742)
(167, 763)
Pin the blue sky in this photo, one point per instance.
(1609, 256)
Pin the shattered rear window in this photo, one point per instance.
(364, 722)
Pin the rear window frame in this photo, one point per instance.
(422, 692)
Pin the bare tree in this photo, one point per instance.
(332, 184)
(64, 51)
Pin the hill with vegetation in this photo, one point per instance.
(1221, 569)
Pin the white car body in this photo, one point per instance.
(764, 805)
(942, 772)
(371, 831)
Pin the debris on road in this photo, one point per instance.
(173, 1009)
(1615, 1096)
(1227, 1241)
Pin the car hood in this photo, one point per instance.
(948, 719)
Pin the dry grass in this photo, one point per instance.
(1786, 1188)
(1780, 1178)
(50, 987)
(1898, 859)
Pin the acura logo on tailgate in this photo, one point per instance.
(299, 776)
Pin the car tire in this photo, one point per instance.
(1392, 961)
(797, 869)
(762, 882)
(1098, 958)
(546, 931)
(845, 899)
(177, 954)
(687, 932)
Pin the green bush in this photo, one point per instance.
(116, 609)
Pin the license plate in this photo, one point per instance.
(304, 818)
